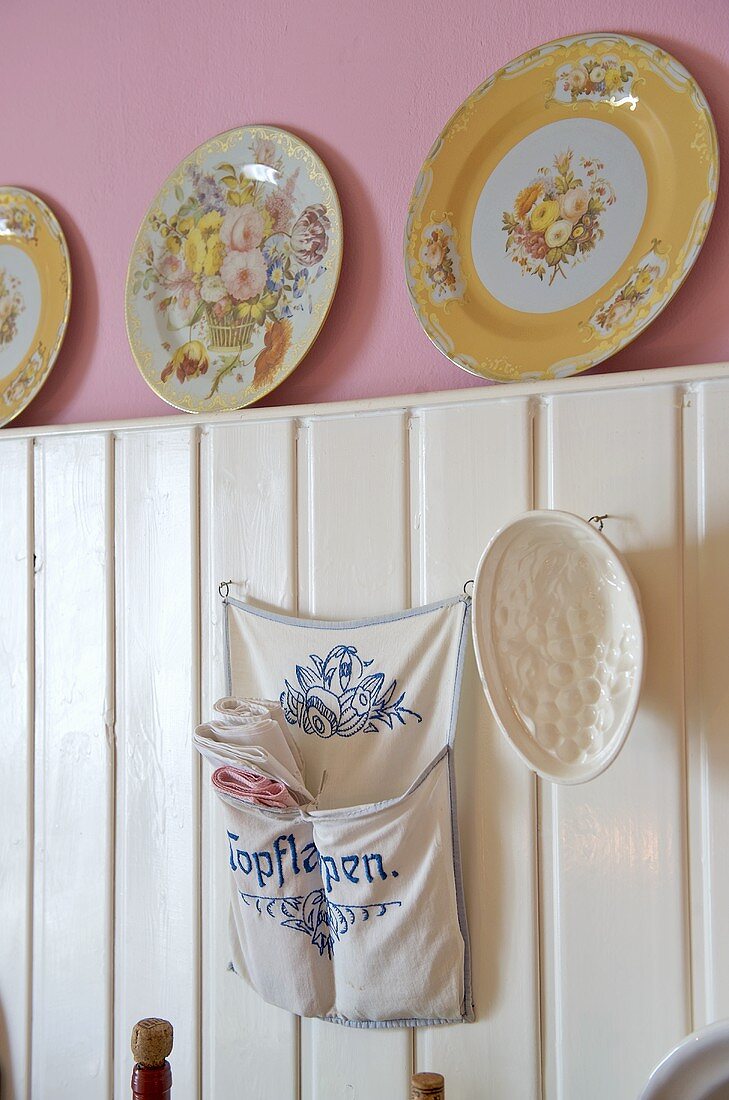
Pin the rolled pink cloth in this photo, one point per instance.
(251, 787)
(248, 734)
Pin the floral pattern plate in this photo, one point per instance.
(233, 270)
(561, 208)
(35, 297)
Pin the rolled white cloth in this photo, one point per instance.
(276, 713)
(250, 734)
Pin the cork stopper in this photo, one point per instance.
(427, 1086)
(151, 1041)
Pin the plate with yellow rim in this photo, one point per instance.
(233, 270)
(35, 297)
(561, 208)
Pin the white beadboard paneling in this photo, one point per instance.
(700, 908)
(580, 383)
(614, 878)
(72, 951)
(471, 473)
(615, 928)
(248, 505)
(16, 745)
(157, 831)
(354, 561)
(707, 628)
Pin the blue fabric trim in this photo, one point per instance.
(344, 813)
(343, 624)
(226, 650)
(469, 1014)
(467, 1007)
(456, 701)
(376, 807)
(414, 1021)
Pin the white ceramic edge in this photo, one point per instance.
(683, 1054)
(587, 773)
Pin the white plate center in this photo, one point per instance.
(559, 215)
(20, 307)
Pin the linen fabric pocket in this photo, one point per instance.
(351, 908)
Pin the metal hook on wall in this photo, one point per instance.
(465, 589)
(224, 589)
(598, 521)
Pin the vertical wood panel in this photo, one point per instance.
(16, 745)
(157, 831)
(248, 503)
(707, 625)
(471, 474)
(614, 874)
(73, 771)
(354, 561)
(614, 883)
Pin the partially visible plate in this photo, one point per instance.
(35, 297)
(696, 1069)
(233, 270)
(558, 634)
(561, 207)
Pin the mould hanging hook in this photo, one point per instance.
(224, 589)
(598, 521)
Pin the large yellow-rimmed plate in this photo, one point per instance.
(561, 207)
(233, 270)
(35, 297)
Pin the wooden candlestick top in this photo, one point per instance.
(151, 1041)
(427, 1086)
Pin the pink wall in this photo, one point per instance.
(103, 99)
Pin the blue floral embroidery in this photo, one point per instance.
(323, 921)
(336, 697)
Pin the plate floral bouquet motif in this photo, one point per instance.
(629, 298)
(596, 77)
(555, 221)
(16, 220)
(440, 261)
(11, 306)
(236, 260)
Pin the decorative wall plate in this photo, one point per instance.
(561, 208)
(558, 634)
(35, 297)
(233, 270)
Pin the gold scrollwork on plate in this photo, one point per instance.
(24, 383)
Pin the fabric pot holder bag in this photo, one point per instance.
(346, 893)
